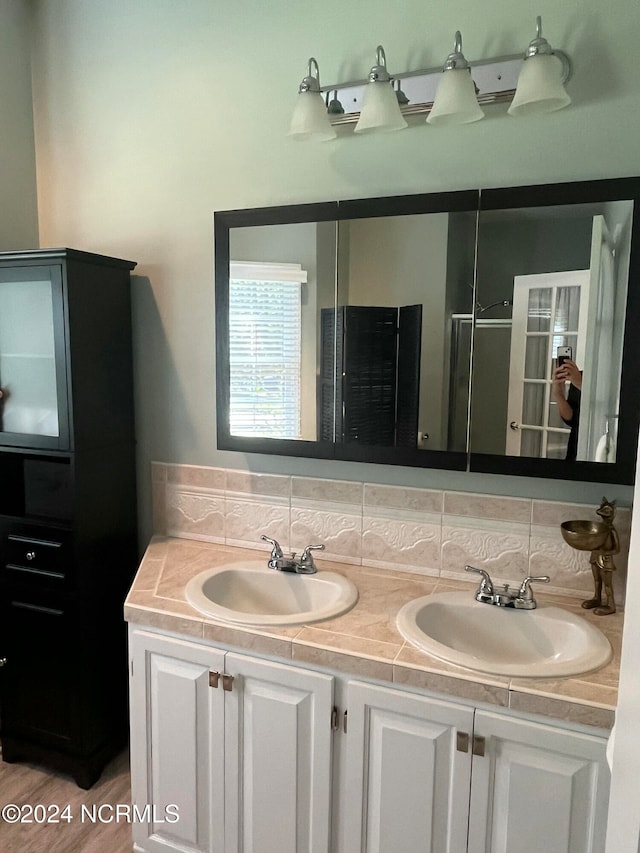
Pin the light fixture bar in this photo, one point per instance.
(495, 78)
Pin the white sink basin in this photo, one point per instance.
(547, 642)
(250, 593)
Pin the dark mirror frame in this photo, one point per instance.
(622, 471)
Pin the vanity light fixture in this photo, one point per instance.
(380, 108)
(453, 94)
(310, 119)
(541, 82)
(456, 100)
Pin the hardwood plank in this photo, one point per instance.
(26, 784)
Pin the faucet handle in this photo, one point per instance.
(307, 562)
(276, 551)
(525, 592)
(486, 584)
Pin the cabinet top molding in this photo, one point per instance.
(39, 255)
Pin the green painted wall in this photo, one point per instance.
(152, 114)
(18, 209)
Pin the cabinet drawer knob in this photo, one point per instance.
(30, 555)
(3, 661)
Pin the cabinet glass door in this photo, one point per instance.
(32, 380)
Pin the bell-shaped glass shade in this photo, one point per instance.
(456, 101)
(380, 109)
(540, 88)
(310, 120)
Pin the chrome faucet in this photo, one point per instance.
(522, 599)
(281, 563)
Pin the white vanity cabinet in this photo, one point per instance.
(407, 774)
(537, 788)
(430, 776)
(259, 759)
(241, 746)
(177, 743)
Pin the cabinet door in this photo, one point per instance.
(278, 758)
(538, 788)
(177, 747)
(39, 642)
(33, 406)
(407, 784)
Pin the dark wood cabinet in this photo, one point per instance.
(68, 541)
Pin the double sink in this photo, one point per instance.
(546, 642)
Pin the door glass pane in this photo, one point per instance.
(554, 416)
(29, 402)
(557, 445)
(564, 341)
(539, 310)
(533, 404)
(535, 362)
(567, 309)
(531, 443)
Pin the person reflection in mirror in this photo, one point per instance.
(569, 405)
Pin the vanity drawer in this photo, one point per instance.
(41, 558)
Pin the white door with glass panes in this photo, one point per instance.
(549, 311)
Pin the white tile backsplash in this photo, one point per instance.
(499, 547)
(192, 513)
(426, 531)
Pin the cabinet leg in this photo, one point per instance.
(85, 771)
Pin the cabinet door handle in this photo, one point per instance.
(344, 722)
(478, 746)
(462, 741)
(214, 679)
(334, 719)
(227, 682)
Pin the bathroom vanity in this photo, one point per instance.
(339, 736)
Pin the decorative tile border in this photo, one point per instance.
(500, 547)
(327, 512)
(428, 532)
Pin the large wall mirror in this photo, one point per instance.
(480, 330)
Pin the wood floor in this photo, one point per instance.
(25, 784)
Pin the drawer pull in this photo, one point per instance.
(37, 608)
(3, 661)
(28, 540)
(35, 571)
(30, 555)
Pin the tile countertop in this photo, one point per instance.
(365, 641)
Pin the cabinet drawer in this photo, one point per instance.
(45, 559)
